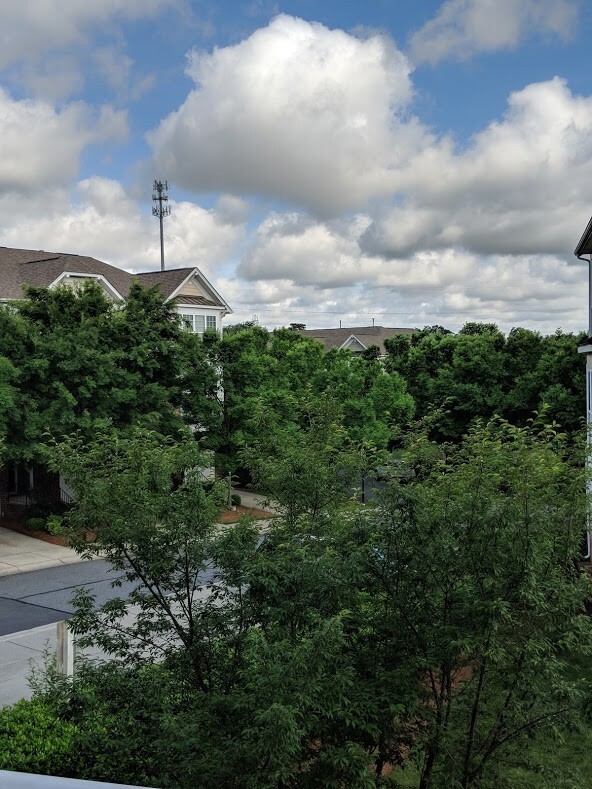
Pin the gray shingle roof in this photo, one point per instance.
(168, 280)
(367, 335)
(19, 267)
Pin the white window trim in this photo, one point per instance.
(350, 341)
(84, 275)
(190, 311)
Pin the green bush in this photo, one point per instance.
(235, 500)
(54, 525)
(37, 524)
(34, 740)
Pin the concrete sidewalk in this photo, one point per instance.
(257, 500)
(20, 553)
(18, 652)
(21, 652)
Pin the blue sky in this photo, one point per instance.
(410, 162)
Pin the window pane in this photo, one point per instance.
(188, 321)
(210, 321)
(199, 324)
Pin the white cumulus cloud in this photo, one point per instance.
(41, 146)
(462, 28)
(297, 112)
(295, 247)
(299, 269)
(103, 221)
(371, 215)
(523, 185)
(30, 28)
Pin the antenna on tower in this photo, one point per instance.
(160, 196)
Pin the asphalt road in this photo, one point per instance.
(39, 597)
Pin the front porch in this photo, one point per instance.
(29, 489)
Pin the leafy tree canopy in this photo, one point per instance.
(434, 631)
(72, 360)
(479, 373)
(283, 369)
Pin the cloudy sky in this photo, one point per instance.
(410, 162)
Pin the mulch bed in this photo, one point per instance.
(15, 525)
(228, 516)
(232, 516)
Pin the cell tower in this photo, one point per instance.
(160, 196)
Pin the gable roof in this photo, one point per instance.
(205, 285)
(352, 342)
(168, 280)
(365, 335)
(21, 267)
(172, 280)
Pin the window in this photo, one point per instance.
(188, 321)
(198, 323)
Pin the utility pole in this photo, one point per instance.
(159, 195)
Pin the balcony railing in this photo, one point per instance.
(10, 780)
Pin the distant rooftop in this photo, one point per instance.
(356, 338)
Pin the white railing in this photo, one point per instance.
(10, 780)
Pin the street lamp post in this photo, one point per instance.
(583, 251)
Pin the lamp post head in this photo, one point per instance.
(584, 246)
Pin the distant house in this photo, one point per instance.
(355, 338)
(194, 298)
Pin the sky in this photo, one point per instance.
(402, 162)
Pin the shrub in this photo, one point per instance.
(37, 524)
(235, 500)
(33, 739)
(54, 525)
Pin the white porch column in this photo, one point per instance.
(65, 649)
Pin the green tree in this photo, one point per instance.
(71, 361)
(478, 373)
(522, 386)
(163, 542)
(16, 345)
(309, 467)
(283, 369)
(438, 627)
(34, 739)
(245, 704)
(561, 372)
(243, 360)
(477, 563)
(374, 402)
